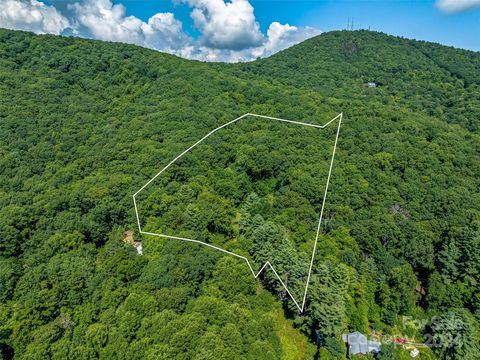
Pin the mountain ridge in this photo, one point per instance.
(86, 123)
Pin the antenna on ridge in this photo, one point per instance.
(352, 23)
(348, 24)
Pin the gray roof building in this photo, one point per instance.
(358, 344)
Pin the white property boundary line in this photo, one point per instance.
(302, 307)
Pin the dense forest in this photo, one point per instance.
(85, 124)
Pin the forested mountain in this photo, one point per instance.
(84, 124)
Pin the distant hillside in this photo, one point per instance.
(440, 81)
(85, 123)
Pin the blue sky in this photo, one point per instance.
(241, 30)
(419, 19)
(413, 19)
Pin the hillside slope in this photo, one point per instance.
(437, 80)
(85, 123)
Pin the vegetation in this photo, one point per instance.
(85, 124)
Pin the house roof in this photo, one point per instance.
(357, 337)
(358, 343)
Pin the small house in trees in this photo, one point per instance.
(129, 239)
(372, 84)
(358, 344)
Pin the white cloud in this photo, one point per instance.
(226, 25)
(279, 37)
(164, 32)
(283, 36)
(452, 6)
(103, 20)
(228, 30)
(31, 15)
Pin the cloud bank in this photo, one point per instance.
(453, 6)
(228, 31)
(31, 16)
